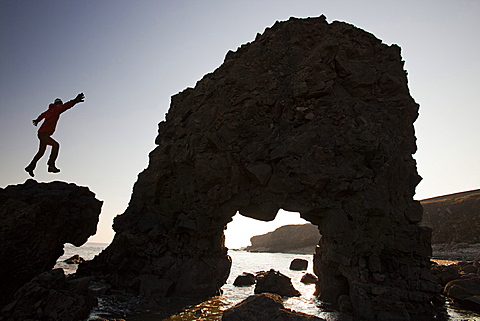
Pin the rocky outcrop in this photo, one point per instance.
(275, 282)
(311, 117)
(37, 220)
(50, 296)
(265, 306)
(454, 218)
(461, 282)
(287, 239)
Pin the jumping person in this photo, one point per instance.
(47, 129)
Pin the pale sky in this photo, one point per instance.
(130, 57)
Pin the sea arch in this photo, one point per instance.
(311, 117)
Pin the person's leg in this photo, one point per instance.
(41, 150)
(53, 155)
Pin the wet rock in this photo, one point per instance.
(76, 259)
(309, 278)
(244, 279)
(261, 307)
(37, 220)
(472, 303)
(275, 282)
(299, 265)
(50, 296)
(463, 288)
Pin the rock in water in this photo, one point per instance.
(311, 117)
(309, 278)
(37, 220)
(245, 279)
(299, 264)
(265, 306)
(275, 282)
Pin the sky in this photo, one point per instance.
(130, 57)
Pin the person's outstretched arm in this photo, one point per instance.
(79, 99)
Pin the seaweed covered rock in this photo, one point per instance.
(265, 306)
(37, 220)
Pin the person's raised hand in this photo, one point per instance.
(80, 98)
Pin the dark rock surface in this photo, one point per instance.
(287, 239)
(37, 220)
(309, 278)
(275, 282)
(262, 307)
(50, 296)
(244, 279)
(311, 117)
(299, 264)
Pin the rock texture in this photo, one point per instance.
(287, 239)
(37, 220)
(261, 307)
(50, 296)
(311, 117)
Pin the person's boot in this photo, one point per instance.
(29, 169)
(53, 169)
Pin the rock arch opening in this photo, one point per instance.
(241, 229)
(311, 117)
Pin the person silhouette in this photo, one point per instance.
(47, 129)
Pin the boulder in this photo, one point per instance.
(262, 307)
(275, 282)
(299, 265)
(244, 279)
(463, 288)
(309, 278)
(76, 259)
(50, 296)
(37, 220)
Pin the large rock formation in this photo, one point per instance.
(37, 220)
(310, 117)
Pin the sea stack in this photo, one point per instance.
(310, 117)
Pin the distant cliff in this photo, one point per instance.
(287, 239)
(454, 218)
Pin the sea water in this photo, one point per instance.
(243, 262)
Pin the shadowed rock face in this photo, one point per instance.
(37, 220)
(310, 117)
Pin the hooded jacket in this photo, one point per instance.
(51, 117)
